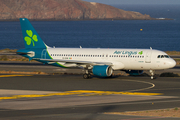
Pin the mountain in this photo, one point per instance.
(63, 10)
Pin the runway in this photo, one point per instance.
(70, 97)
(36, 67)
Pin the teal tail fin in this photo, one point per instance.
(30, 36)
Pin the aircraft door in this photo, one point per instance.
(148, 57)
(43, 55)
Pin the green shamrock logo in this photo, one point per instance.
(140, 53)
(30, 38)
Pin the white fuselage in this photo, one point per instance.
(121, 59)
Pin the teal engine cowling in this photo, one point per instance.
(134, 72)
(102, 70)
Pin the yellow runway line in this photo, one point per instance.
(113, 92)
(13, 75)
(80, 93)
(35, 95)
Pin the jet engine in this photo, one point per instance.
(102, 70)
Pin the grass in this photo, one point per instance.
(7, 50)
(176, 108)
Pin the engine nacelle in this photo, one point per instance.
(102, 70)
(134, 72)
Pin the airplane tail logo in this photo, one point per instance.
(30, 36)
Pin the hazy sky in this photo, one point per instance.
(136, 1)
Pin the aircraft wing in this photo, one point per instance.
(76, 61)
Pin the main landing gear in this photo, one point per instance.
(87, 74)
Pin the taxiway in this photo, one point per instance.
(72, 97)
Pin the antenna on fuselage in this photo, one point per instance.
(80, 46)
(150, 48)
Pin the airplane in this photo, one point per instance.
(98, 61)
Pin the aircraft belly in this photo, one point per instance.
(135, 64)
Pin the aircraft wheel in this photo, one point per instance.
(110, 76)
(85, 76)
(89, 76)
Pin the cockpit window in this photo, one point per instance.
(163, 56)
(166, 56)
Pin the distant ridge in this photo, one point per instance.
(63, 10)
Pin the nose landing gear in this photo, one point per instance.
(152, 74)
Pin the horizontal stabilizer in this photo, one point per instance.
(22, 53)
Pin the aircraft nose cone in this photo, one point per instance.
(172, 63)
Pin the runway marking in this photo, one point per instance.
(79, 93)
(35, 95)
(152, 85)
(91, 93)
(13, 75)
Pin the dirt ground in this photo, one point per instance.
(173, 112)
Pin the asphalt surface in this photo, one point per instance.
(85, 105)
(70, 97)
(36, 67)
